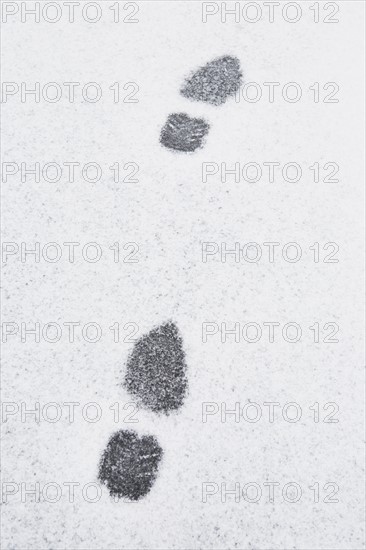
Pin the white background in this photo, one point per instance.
(169, 213)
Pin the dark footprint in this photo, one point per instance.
(129, 464)
(156, 370)
(156, 377)
(213, 83)
(183, 133)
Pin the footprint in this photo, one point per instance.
(213, 83)
(156, 377)
(183, 133)
(156, 370)
(129, 464)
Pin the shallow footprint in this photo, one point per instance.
(183, 133)
(129, 464)
(156, 370)
(214, 82)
